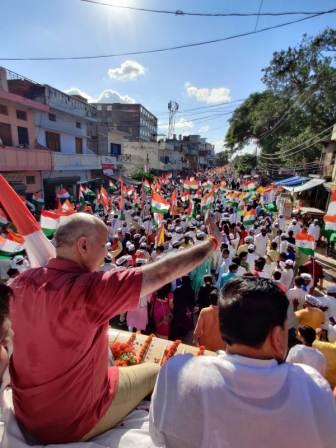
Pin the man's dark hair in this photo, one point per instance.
(308, 334)
(242, 254)
(233, 267)
(277, 275)
(298, 282)
(213, 297)
(259, 264)
(249, 309)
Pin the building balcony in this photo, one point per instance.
(70, 162)
(25, 159)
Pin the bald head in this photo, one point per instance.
(73, 227)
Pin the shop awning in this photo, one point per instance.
(291, 181)
(312, 183)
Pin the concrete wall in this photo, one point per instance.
(15, 122)
(65, 125)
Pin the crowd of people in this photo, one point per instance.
(209, 275)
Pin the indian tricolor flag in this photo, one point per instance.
(49, 221)
(184, 197)
(38, 248)
(37, 199)
(62, 193)
(9, 248)
(330, 216)
(191, 184)
(112, 186)
(146, 186)
(207, 200)
(159, 204)
(249, 217)
(305, 243)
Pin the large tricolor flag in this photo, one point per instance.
(330, 216)
(159, 204)
(39, 249)
(207, 200)
(305, 243)
(184, 197)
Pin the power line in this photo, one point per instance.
(180, 13)
(211, 106)
(258, 15)
(176, 47)
(290, 150)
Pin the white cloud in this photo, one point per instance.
(209, 95)
(77, 91)
(181, 124)
(203, 129)
(106, 96)
(127, 71)
(112, 96)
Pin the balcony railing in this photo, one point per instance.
(66, 162)
(17, 159)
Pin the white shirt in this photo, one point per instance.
(250, 259)
(329, 302)
(283, 246)
(287, 276)
(296, 294)
(295, 228)
(314, 230)
(307, 355)
(260, 242)
(231, 401)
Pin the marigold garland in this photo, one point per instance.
(170, 351)
(124, 354)
(144, 348)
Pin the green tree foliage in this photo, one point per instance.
(222, 158)
(244, 164)
(299, 102)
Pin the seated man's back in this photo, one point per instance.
(239, 402)
(247, 397)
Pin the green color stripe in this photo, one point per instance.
(306, 250)
(49, 232)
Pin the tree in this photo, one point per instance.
(288, 119)
(222, 158)
(244, 164)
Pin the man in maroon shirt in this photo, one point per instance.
(63, 390)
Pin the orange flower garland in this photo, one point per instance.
(131, 339)
(170, 351)
(124, 354)
(144, 348)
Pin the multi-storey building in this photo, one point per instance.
(60, 126)
(133, 121)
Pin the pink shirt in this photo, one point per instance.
(61, 383)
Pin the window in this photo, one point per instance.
(3, 109)
(78, 124)
(21, 115)
(30, 180)
(5, 134)
(99, 107)
(53, 141)
(109, 108)
(115, 149)
(52, 117)
(23, 136)
(79, 145)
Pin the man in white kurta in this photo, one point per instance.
(245, 397)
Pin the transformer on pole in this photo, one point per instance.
(173, 108)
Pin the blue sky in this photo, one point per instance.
(195, 77)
